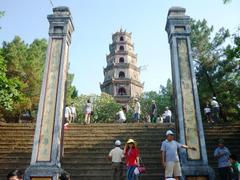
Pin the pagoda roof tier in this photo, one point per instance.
(124, 81)
(122, 53)
(122, 42)
(122, 33)
(121, 65)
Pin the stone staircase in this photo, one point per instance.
(87, 147)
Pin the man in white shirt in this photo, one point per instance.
(167, 115)
(121, 115)
(215, 110)
(137, 110)
(73, 113)
(115, 156)
(67, 113)
(207, 112)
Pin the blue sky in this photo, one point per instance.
(96, 20)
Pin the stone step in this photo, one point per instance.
(87, 147)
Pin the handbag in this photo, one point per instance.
(141, 168)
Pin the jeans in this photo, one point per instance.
(136, 116)
(130, 173)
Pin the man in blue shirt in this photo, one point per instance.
(222, 154)
(170, 157)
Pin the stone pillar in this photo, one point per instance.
(47, 146)
(188, 115)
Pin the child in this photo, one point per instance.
(235, 166)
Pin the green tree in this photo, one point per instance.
(24, 63)
(214, 71)
(9, 93)
(72, 92)
(104, 107)
(162, 98)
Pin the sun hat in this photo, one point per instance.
(117, 143)
(169, 132)
(131, 141)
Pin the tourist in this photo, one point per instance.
(153, 112)
(147, 118)
(73, 112)
(235, 167)
(131, 154)
(88, 111)
(137, 110)
(121, 117)
(170, 159)
(64, 176)
(215, 110)
(207, 112)
(167, 115)
(116, 156)
(15, 175)
(222, 154)
(67, 115)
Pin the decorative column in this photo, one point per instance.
(188, 116)
(47, 146)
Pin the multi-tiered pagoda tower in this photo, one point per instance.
(122, 75)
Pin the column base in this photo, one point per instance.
(38, 172)
(203, 172)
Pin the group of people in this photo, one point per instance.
(152, 117)
(70, 113)
(212, 112)
(131, 154)
(228, 166)
(132, 160)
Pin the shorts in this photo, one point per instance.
(173, 169)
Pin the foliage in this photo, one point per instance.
(104, 107)
(22, 67)
(215, 71)
(162, 98)
(9, 92)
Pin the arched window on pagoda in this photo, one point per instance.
(121, 74)
(122, 91)
(121, 38)
(121, 48)
(121, 60)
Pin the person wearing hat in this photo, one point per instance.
(215, 109)
(131, 154)
(167, 115)
(170, 157)
(115, 156)
(137, 110)
(222, 154)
